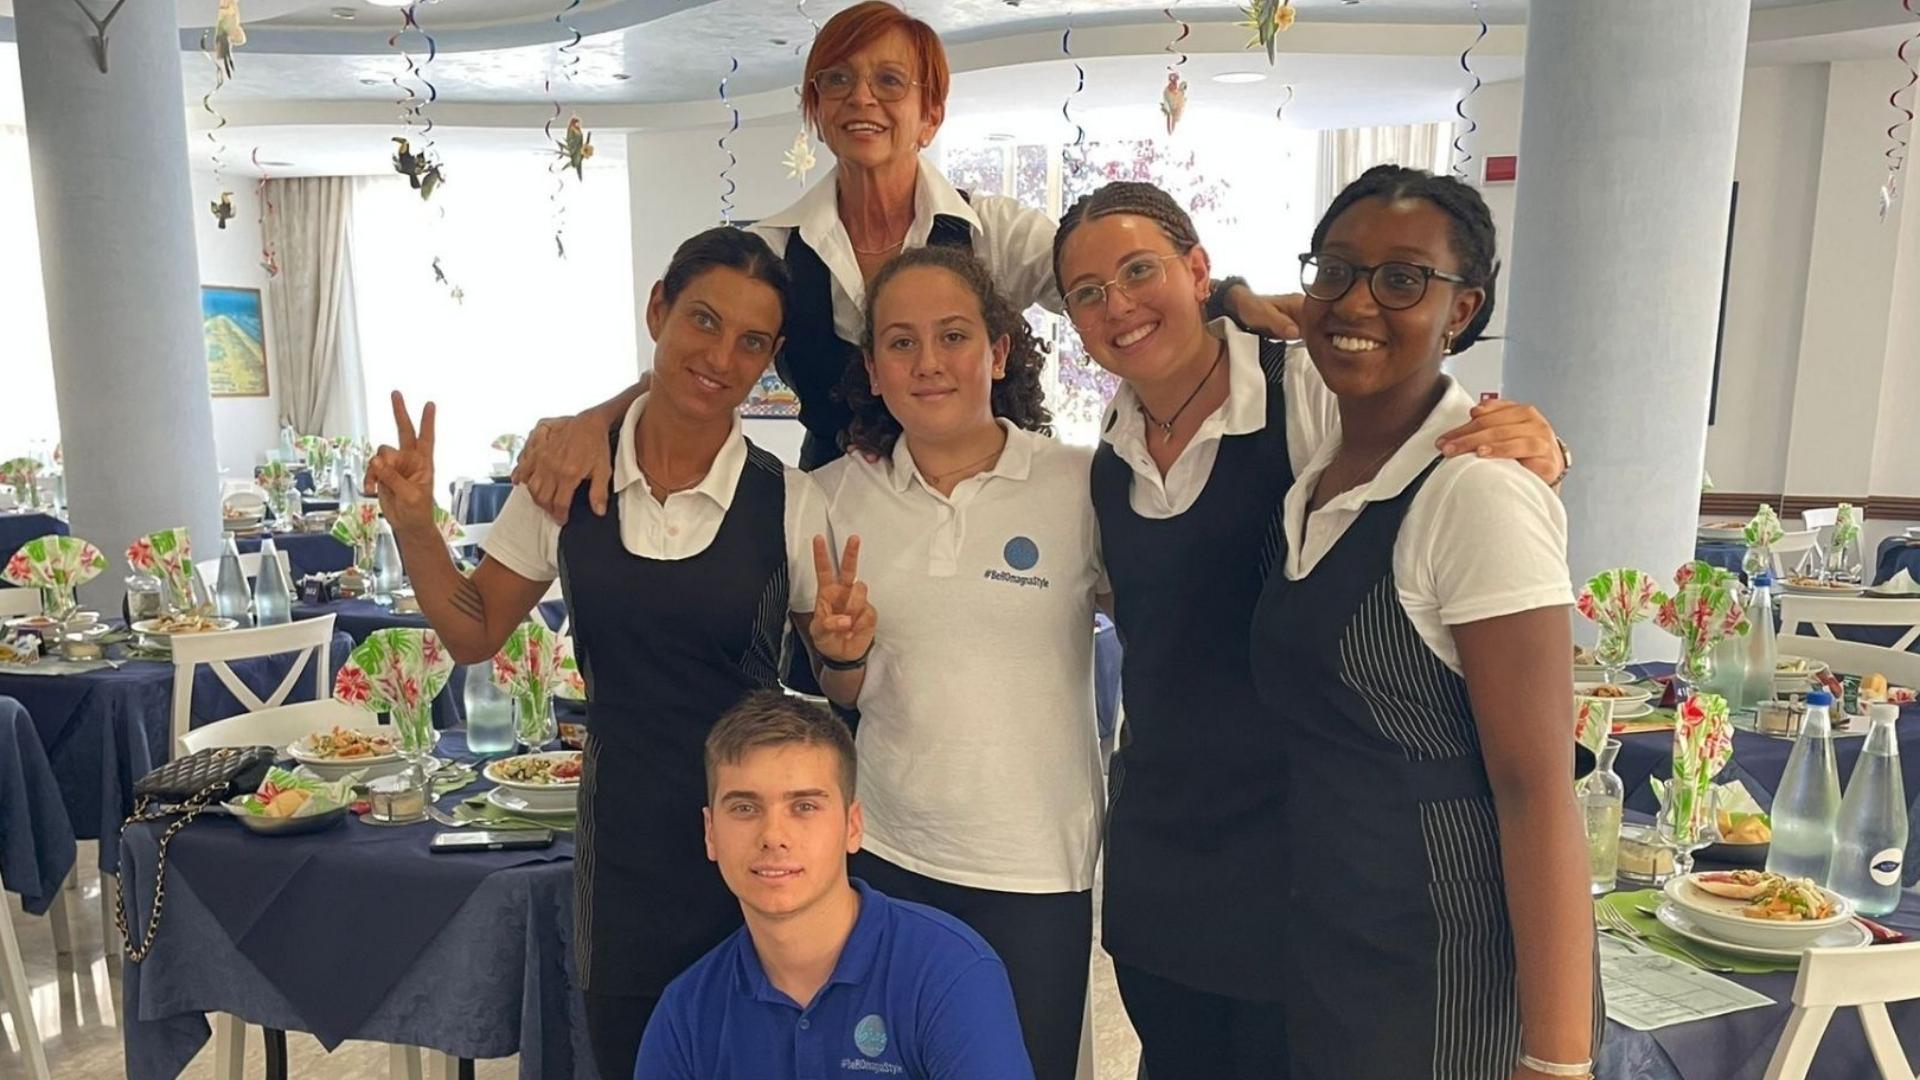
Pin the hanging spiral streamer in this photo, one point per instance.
(269, 259)
(222, 206)
(799, 158)
(801, 7)
(1172, 48)
(1073, 155)
(1899, 133)
(1280, 117)
(728, 187)
(569, 64)
(1173, 97)
(1460, 154)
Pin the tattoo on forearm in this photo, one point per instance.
(467, 601)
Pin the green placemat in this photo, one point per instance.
(479, 809)
(1671, 944)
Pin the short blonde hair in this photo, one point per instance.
(774, 718)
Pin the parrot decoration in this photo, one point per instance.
(228, 35)
(1173, 99)
(223, 210)
(1267, 19)
(576, 148)
(418, 167)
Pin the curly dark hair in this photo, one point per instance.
(1017, 396)
(1473, 237)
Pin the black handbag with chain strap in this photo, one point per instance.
(186, 787)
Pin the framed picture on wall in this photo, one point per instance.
(771, 399)
(235, 330)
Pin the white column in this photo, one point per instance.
(112, 196)
(1630, 115)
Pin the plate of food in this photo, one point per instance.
(545, 781)
(1620, 694)
(345, 748)
(1791, 674)
(1745, 838)
(514, 802)
(1848, 935)
(1723, 530)
(1758, 909)
(35, 623)
(1801, 585)
(166, 627)
(288, 804)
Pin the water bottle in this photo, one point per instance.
(1808, 802)
(1601, 796)
(388, 574)
(272, 592)
(230, 597)
(489, 712)
(1762, 650)
(1871, 838)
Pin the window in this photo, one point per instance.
(531, 335)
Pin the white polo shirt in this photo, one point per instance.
(1483, 538)
(1014, 241)
(1313, 416)
(979, 761)
(526, 541)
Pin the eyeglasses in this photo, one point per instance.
(1142, 273)
(1396, 286)
(888, 84)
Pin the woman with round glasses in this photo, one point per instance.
(875, 92)
(1199, 448)
(1413, 652)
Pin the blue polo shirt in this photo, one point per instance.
(915, 995)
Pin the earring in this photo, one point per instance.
(1446, 342)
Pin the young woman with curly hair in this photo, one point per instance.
(971, 546)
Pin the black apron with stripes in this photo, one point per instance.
(666, 647)
(1398, 924)
(815, 357)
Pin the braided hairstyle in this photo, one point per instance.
(1474, 241)
(1126, 197)
(1017, 396)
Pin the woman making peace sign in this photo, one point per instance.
(678, 598)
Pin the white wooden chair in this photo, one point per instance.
(1792, 551)
(1822, 613)
(13, 987)
(476, 534)
(209, 569)
(16, 602)
(276, 726)
(1822, 517)
(311, 638)
(1866, 979)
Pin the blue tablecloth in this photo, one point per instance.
(1725, 554)
(18, 527)
(307, 553)
(1896, 553)
(484, 500)
(357, 932)
(36, 836)
(105, 729)
(1737, 1046)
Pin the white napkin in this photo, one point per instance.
(1900, 584)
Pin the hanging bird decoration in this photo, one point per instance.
(223, 210)
(228, 34)
(424, 173)
(576, 148)
(439, 273)
(1268, 19)
(431, 179)
(1173, 99)
(799, 158)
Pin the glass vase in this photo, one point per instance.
(58, 602)
(534, 725)
(1686, 825)
(1614, 650)
(413, 729)
(1602, 795)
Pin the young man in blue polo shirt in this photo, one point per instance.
(828, 978)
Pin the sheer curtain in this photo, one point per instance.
(28, 416)
(312, 325)
(530, 334)
(1348, 152)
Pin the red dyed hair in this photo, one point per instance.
(860, 26)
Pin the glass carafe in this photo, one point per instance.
(1602, 793)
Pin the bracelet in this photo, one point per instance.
(1554, 1068)
(831, 664)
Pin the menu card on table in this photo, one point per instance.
(1647, 990)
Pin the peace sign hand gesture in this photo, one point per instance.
(403, 477)
(843, 620)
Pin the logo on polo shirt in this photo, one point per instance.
(1021, 553)
(870, 1035)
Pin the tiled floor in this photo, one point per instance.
(76, 1004)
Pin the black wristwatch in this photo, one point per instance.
(1217, 299)
(831, 664)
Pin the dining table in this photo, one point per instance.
(1897, 553)
(484, 500)
(307, 552)
(356, 932)
(37, 846)
(104, 727)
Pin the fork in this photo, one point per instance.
(1616, 923)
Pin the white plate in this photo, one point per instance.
(1848, 935)
(1633, 711)
(1820, 590)
(150, 628)
(1630, 694)
(512, 803)
(549, 796)
(1720, 917)
(299, 752)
